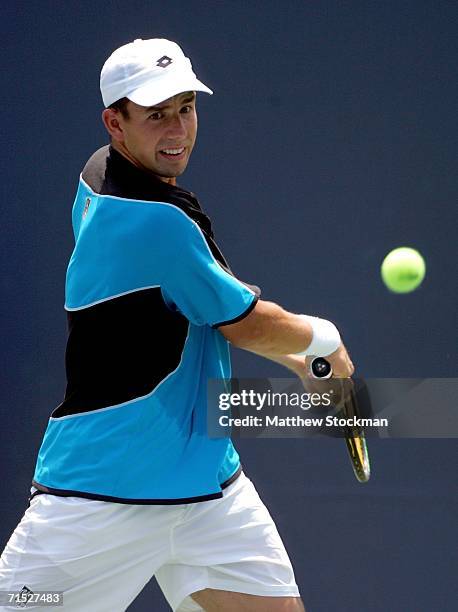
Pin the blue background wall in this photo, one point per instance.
(331, 139)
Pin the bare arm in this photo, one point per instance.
(272, 332)
(269, 329)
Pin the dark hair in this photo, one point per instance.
(121, 106)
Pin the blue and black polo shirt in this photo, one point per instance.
(146, 290)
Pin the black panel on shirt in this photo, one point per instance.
(121, 349)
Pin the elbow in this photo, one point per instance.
(255, 332)
(248, 335)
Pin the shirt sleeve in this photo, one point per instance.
(200, 288)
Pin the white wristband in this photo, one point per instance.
(326, 337)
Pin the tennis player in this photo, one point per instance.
(127, 483)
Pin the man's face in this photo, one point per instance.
(160, 138)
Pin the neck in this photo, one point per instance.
(121, 148)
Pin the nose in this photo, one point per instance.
(176, 126)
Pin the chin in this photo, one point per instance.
(175, 173)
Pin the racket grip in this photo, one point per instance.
(320, 368)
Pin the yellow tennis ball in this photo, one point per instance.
(403, 270)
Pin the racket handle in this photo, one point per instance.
(320, 368)
(355, 440)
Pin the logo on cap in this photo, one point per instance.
(164, 61)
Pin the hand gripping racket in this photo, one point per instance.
(354, 435)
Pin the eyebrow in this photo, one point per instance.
(188, 98)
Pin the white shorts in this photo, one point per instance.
(101, 554)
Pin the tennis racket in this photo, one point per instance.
(354, 436)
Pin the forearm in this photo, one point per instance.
(276, 334)
(270, 330)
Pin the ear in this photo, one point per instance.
(113, 122)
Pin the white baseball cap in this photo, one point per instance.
(148, 72)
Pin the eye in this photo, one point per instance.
(155, 116)
(186, 109)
